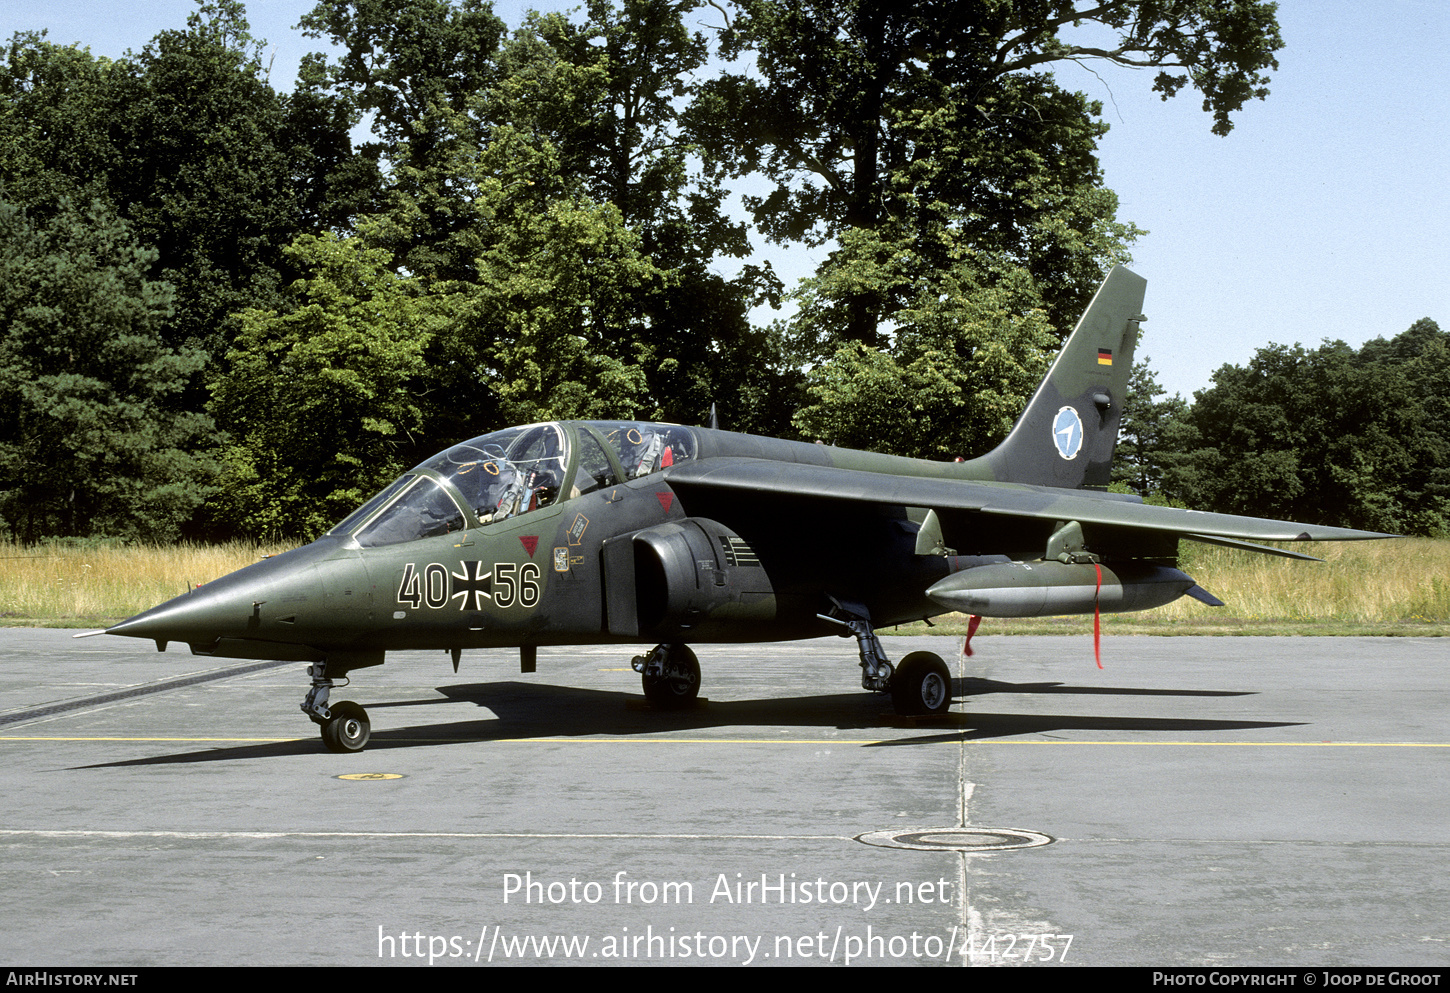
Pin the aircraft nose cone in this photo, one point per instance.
(226, 607)
(193, 617)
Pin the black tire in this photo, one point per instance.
(922, 685)
(680, 684)
(348, 730)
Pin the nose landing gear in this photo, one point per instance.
(349, 728)
(345, 727)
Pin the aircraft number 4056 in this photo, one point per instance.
(507, 585)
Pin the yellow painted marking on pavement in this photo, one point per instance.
(805, 741)
(370, 775)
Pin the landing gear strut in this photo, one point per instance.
(876, 671)
(670, 675)
(920, 685)
(345, 727)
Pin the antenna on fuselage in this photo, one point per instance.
(714, 419)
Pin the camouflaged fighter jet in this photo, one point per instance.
(590, 532)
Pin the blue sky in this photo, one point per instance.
(1324, 215)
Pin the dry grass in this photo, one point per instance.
(1401, 580)
(67, 586)
(1372, 587)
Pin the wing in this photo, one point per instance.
(745, 476)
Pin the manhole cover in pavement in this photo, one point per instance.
(957, 839)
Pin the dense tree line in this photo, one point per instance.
(222, 316)
(1355, 438)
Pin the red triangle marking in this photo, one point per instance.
(530, 542)
(667, 500)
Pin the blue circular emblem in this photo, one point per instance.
(1067, 433)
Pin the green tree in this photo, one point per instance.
(1143, 433)
(557, 200)
(404, 59)
(92, 438)
(189, 143)
(548, 327)
(938, 126)
(535, 334)
(967, 356)
(1331, 436)
(615, 116)
(209, 173)
(322, 399)
(596, 101)
(55, 124)
(418, 68)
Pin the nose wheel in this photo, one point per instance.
(348, 729)
(345, 727)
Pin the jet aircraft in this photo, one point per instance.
(591, 532)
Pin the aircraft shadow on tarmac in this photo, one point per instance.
(532, 710)
(972, 686)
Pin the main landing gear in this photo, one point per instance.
(345, 727)
(670, 675)
(921, 685)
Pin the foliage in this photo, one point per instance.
(931, 116)
(187, 141)
(588, 111)
(319, 398)
(1140, 459)
(92, 440)
(335, 395)
(545, 316)
(55, 140)
(928, 142)
(417, 67)
(968, 353)
(405, 59)
(632, 67)
(1331, 436)
(211, 175)
(548, 327)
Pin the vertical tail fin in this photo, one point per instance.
(1066, 435)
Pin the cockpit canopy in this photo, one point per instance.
(502, 475)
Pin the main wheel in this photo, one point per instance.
(678, 687)
(348, 730)
(922, 685)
